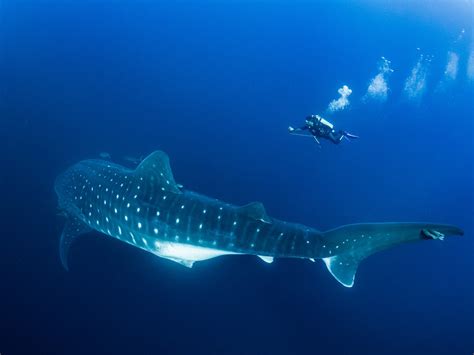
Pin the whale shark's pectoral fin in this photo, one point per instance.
(74, 228)
(156, 169)
(256, 211)
(187, 263)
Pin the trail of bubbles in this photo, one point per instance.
(415, 84)
(378, 87)
(451, 70)
(470, 64)
(343, 101)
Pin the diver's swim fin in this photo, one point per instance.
(350, 135)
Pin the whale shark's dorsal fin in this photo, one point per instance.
(156, 167)
(256, 211)
(73, 229)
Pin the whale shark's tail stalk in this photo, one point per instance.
(351, 244)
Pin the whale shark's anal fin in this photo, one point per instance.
(348, 245)
(73, 229)
(156, 170)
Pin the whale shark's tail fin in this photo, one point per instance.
(346, 246)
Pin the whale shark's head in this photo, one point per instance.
(64, 187)
(69, 183)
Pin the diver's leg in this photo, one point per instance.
(293, 130)
(336, 138)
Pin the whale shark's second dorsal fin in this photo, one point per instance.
(256, 211)
(156, 167)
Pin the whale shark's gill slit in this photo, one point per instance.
(269, 238)
(218, 221)
(173, 218)
(243, 237)
(190, 218)
(255, 238)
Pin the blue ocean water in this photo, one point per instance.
(215, 84)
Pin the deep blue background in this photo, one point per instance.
(215, 85)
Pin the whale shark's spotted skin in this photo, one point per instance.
(146, 208)
(112, 200)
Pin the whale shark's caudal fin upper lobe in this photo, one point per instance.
(351, 244)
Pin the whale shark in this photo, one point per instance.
(146, 208)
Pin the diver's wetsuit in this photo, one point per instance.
(320, 128)
(322, 131)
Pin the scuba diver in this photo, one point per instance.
(320, 128)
